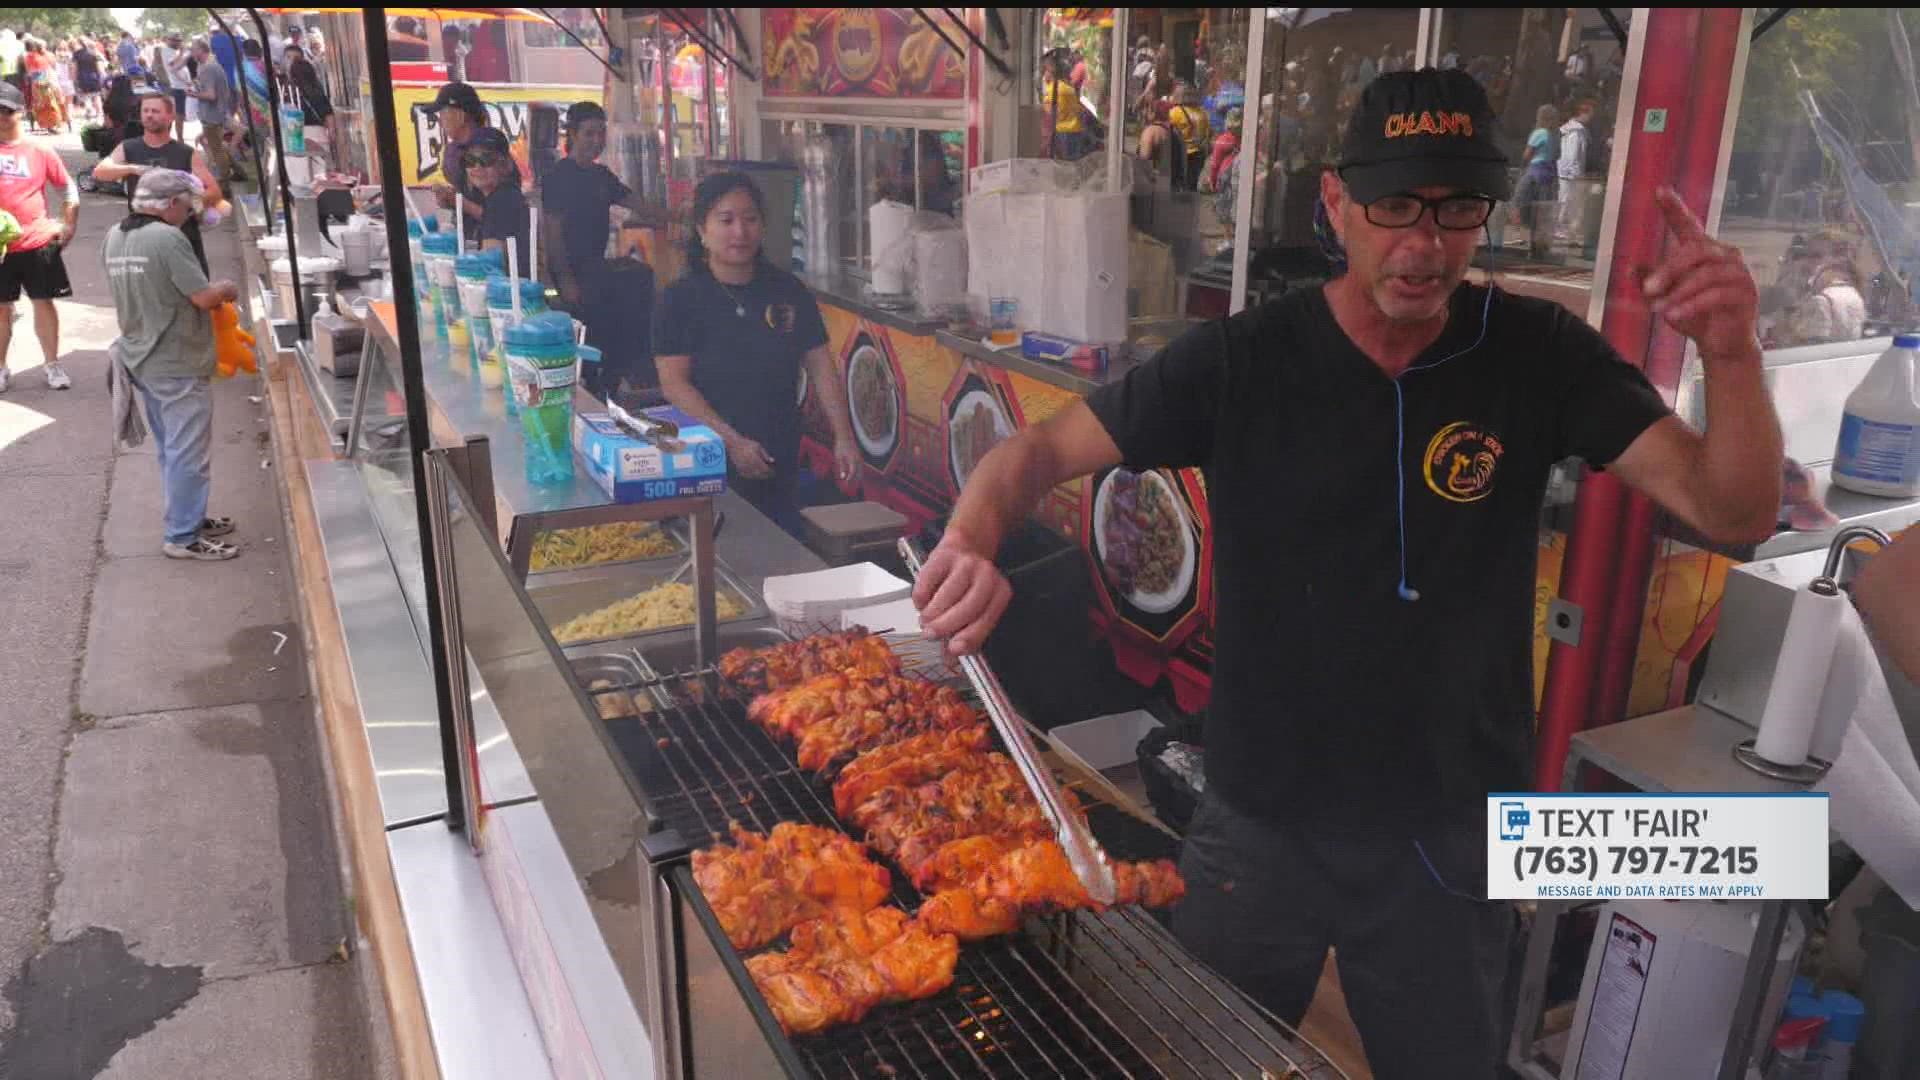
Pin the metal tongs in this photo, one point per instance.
(661, 433)
(1084, 854)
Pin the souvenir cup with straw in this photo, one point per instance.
(500, 313)
(438, 250)
(540, 374)
(472, 271)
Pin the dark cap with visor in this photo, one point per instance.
(486, 142)
(1427, 128)
(581, 112)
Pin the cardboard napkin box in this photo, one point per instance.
(630, 469)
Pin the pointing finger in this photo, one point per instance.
(1685, 226)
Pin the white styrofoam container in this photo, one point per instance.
(898, 617)
(1087, 233)
(1105, 742)
(1021, 176)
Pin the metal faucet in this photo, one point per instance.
(1828, 583)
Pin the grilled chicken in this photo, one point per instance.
(983, 885)
(852, 652)
(762, 886)
(834, 717)
(982, 796)
(842, 965)
(907, 763)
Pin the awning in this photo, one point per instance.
(443, 14)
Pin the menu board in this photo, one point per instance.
(861, 52)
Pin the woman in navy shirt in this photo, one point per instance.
(729, 341)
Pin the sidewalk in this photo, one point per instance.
(170, 887)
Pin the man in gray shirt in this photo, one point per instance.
(215, 95)
(162, 299)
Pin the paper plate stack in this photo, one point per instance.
(806, 604)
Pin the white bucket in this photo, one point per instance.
(316, 275)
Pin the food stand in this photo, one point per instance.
(579, 775)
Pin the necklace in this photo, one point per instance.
(739, 305)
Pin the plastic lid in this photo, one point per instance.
(1906, 341)
(546, 328)
(413, 227)
(439, 244)
(477, 264)
(1798, 1034)
(1803, 985)
(500, 291)
(1846, 1015)
(587, 353)
(1801, 1006)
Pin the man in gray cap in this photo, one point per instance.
(1361, 716)
(165, 350)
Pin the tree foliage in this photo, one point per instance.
(1841, 54)
(188, 21)
(56, 23)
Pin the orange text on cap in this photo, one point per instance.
(1428, 123)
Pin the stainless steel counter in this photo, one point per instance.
(850, 293)
(332, 396)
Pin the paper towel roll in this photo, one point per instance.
(889, 238)
(1800, 677)
(1852, 653)
(1874, 785)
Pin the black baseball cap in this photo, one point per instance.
(1426, 128)
(487, 141)
(581, 112)
(10, 99)
(459, 95)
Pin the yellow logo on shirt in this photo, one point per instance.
(1461, 460)
(1429, 123)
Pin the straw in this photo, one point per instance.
(460, 222)
(533, 242)
(513, 279)
(406, 197)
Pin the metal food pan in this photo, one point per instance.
(617, 668)
(669, 653)
(561, 601)
(674, 528)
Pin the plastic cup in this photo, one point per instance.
(541, 358)
(1003, 315)
(533, 301)
(437, 251)
(471, 274)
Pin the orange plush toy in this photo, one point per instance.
(232, 346)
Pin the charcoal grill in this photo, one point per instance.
(1078, 994)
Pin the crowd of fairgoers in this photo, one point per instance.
(135, 104)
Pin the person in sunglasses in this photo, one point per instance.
(495, 180)
(1376, 454)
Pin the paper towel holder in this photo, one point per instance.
(1827, 584)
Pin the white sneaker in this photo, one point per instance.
(57, 378)
(202, 549)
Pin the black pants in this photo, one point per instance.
(1422, 961)
(616, 303)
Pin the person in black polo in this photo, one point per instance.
(503, 206)
(614, 297)
(1376, 454)
(462, 116)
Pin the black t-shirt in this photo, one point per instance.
(504, 217)
(1334, 700)
(173, 154)
(582, 195)
(747, 365)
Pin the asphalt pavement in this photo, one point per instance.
(171, 892)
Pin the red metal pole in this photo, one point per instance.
(1686, 70)
(1695, 133)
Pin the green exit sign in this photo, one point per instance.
(1656, 120)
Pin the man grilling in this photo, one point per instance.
(1376, 454)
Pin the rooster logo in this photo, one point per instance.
(1461, 461)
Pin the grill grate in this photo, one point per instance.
(1078, 994)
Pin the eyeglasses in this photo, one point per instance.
(1456, 213)
(480, 161)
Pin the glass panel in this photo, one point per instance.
(545, 35)
(831, 194)
(386, 468)
(1076, 51)
(1820, 182)
(1553, 78)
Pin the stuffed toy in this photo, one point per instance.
(232, 346)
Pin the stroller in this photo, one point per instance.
(122, 107)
